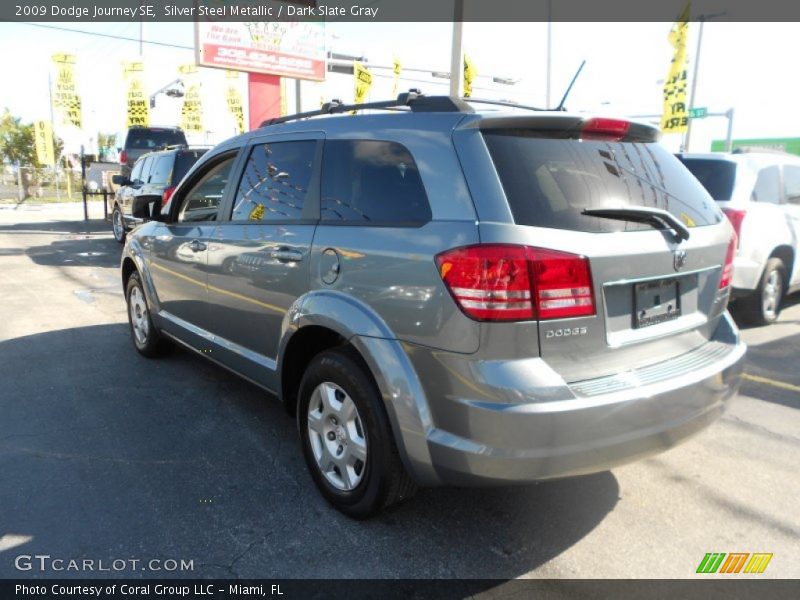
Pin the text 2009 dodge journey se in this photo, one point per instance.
(446, 296)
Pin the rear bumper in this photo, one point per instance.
(497, 431)
(746, 275)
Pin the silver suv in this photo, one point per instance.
(760, 194)
(442, 296)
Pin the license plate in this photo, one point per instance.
(656, 302)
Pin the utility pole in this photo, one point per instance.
(457, 50)
(549, 50)
(702, 19)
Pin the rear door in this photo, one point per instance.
(258, 257)
(655, 295)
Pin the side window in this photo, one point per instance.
(371, 181)
(146, 164)
(791, 184)
(202, 200)
(275, 182)
(136, 173)
(767, 188)
(161, 168)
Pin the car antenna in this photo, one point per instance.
(569, 88)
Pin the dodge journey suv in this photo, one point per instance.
(445, 296)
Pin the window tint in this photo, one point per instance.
(372, 181)
(202, 200)
(717, 176)
(136, 173)
(275, 182)
(767, 187)
(150, 139)
(184, 161)
(159, 174)
(791, 184)
(146, 164)
(549, 182)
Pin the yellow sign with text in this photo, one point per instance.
(138, 109)
(676, 118)
(43, 133)
(66, 102)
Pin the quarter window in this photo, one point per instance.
(372, 181)
(275, 182)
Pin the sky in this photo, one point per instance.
(744, 66)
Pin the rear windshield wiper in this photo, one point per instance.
(656, 217)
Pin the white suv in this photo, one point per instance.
(760, 193)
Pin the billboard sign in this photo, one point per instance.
(288, 49)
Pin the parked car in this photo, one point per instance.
(760, 194)
(154, 176)
(568, 279)
(140, 140)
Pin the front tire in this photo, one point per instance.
(346, 437)
(763, 306)
(118, 224)
(145, 336)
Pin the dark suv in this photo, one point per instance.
(441, 295)
(140, 140)
(154, 177)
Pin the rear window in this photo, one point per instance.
(717, 176)
(150, 139)
(549, 182)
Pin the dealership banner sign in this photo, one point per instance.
(66, 102)
(676, 116)
(138, 112)
(233, 98)
(294, 49)
(192, 109)
(43, 134)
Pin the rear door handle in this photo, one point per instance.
(287, 255)
(197, 246)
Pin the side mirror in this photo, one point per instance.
(120, 180)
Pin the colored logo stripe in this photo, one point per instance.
(713, 562)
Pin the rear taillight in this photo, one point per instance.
(503, 282)
(599, 128)
(727, 268)
(167, 195)
(735, 217)
(123, 158)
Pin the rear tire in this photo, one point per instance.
(145, 336)
(346, 437)
(763, 306)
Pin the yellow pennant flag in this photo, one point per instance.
(192, 109)
(138, 108)
(397, 69)
(43, 134)
(363, 81)
(283, 108)
(66, 102)
(470, 72)
(676, 114)
(234, 100)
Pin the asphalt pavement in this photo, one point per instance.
(105, 455)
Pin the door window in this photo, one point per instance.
(767, 188)
(202, 200)
(791, 184)
(275, 182)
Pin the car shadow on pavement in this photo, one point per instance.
(771, 373)
(90, 226)
(106, 455)
(77, 250)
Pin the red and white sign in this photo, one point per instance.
(295, 49)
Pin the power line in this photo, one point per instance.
(108, 35)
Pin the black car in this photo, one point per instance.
(154, 177)
(140, 140)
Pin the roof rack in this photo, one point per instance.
(413, 100)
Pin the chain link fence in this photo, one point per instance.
(30, 183)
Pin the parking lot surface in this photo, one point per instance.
(106, 455)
